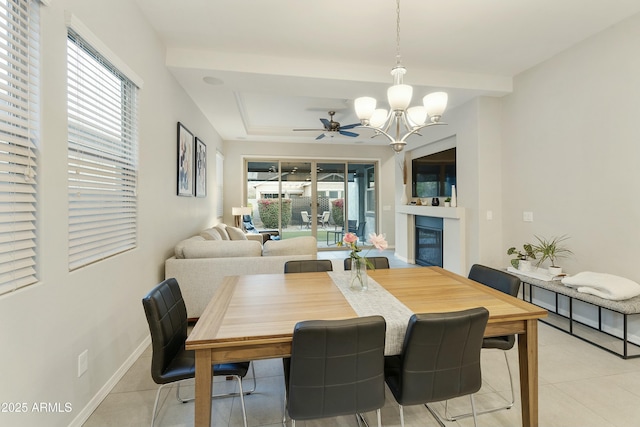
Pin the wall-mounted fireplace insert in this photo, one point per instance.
(429, 241)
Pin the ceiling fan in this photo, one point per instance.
(331, 126)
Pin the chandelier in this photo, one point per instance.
(400, 117)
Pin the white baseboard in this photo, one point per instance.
(91, 406)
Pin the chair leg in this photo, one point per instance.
(362, 420)
(284, 410)
(217, 396)
(181, 400)
(401, 416)
(435, 415)
(473, 411)
(509, 405)
(155, 405)
(241, 394)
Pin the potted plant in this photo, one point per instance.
(552, 249)
(521, 261)
(447, 202)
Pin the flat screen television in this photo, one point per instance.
(434, 174)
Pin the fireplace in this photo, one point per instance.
(429, 241)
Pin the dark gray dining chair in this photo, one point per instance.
(336, 368)
(440, 359)
(377, 261)
(510, 285)
(170, 363)
(308, 266)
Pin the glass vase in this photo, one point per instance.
(359, 278)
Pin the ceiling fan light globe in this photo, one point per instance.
(435, 103)
(399, 96)
(364, 107)
(417, 115)
(378, 118)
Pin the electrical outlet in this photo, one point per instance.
(527, 216)
(489, 215)
(83, 363)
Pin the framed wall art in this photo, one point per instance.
(201, 168)
(186, 156)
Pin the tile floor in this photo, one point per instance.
(579, 385)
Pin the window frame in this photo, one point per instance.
(102, 143)
(19, 142)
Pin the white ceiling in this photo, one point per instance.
(277, 65)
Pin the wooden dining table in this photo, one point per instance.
(252, 317)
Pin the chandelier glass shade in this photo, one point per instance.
(400, 121)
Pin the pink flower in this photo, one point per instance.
(378, 241)
(350, 238)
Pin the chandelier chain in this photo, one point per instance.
(389, 123)
(398, 55)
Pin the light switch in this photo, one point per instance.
(527, 216)
(489, 215)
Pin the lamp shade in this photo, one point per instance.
(364, 107)
(378, 118)
(435, 103)
(417, 115)
(399, 96)
(242, 210)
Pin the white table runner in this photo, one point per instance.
(377, 301)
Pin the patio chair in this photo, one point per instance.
(324, 219)
(306, 219)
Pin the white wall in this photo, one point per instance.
(236, 151)
(475, 128)
(46, 326)
(571, 150)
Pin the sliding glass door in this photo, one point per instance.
(330, 200)
(323, 199)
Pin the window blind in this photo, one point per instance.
(102, 160)
(19, 127)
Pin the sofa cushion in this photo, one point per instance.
(179, 248)
(235, 233)
(222, 229)
(222, 249)
(211, 234)
(304, 245)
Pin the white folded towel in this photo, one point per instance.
(603, 285)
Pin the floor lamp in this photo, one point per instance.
(239, 212)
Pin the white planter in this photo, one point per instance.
(403, 196)
(447, 204)
(454, 197)
(524, 265)
(555, 271)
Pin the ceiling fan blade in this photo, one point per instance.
(346, 133)
(351, 126)
(326, 123)
(322, 135)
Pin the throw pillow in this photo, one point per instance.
(222, 229)
(235, 233)
(211, 234)
(179, 248)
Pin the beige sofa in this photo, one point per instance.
(201, 262)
